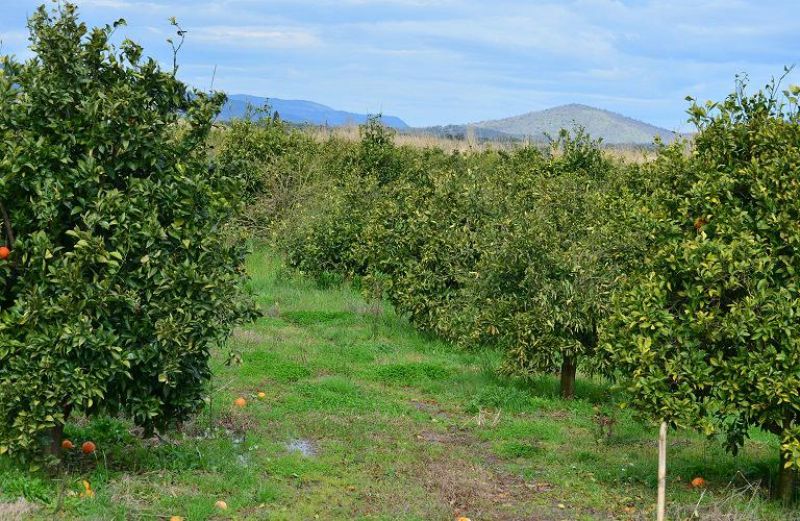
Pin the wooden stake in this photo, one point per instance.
(662, 472)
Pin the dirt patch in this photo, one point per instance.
(480, 489)
(432, 408)
(479, 492)
(18, 510)
(428, 406)
(452, 436)
(559, 415)
(238, 423)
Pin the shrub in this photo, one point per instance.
(124, 271)
(706, 334)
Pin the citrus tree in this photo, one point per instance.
(323, 228)
(275, 161)
(547, 267)
(123, 272)
(421, 236)
(706, 335)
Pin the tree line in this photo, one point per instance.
(676, 278)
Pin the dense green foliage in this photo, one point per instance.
(707, 334)
(124, 271)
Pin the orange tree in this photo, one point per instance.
(542, 283)
(123, 272)
(419, 240)
(706, 335)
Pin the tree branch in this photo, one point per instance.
(7, 223)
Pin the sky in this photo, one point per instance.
(436, 62)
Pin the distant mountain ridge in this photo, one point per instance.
(300, 112)
(612, 127)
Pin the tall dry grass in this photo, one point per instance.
(421, 139)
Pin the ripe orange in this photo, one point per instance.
(88, 447)
(176, 518)
(67, 445)
(88, 492)
(221, 505)
(240, 402)
(4, 252)
(698, 482)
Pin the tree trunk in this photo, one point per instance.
(56, 436)
(568, 368)
(786, 480)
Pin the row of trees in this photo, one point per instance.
(677, 278)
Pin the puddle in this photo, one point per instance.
(304, 447)
(243, 460)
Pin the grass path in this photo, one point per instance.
(363, 418)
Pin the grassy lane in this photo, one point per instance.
(363, 418)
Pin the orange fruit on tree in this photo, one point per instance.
(67, 445)
(240, 402)
(698, 482)
(88, 447)
(4, 252)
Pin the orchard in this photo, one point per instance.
(126, 212)
(676, 278)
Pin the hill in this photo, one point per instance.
(300, 111)
(613, 128)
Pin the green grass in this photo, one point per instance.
(395, 425)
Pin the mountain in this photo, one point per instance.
(300, 111)
(612, 127)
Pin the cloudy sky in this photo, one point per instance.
(456, 61)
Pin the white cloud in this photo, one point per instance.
(255, 36)
(119, 4)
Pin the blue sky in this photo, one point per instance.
(447, 61)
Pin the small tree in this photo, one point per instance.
(707, 335)
(543, 280)
(420, 237)
(123, 272)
